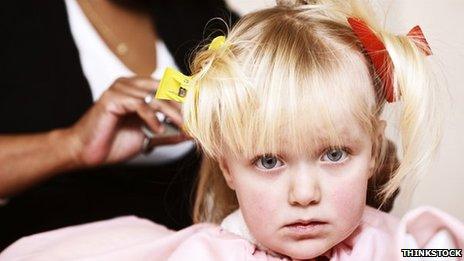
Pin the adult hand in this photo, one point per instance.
(110, 131)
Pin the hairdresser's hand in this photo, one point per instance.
(110, 131)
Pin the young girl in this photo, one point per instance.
(287, 110)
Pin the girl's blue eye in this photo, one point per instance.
(268, 162)
(334, 155)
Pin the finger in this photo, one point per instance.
(148, 116)
(140, 86)
(133, 91)
(169, 111)
(137, 87)
(167, 108)
(134, 105)
(176, 105)
(149, 85)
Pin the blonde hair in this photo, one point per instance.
(285, 74)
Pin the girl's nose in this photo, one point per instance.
(304, 188)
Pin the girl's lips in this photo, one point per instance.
(305, 229)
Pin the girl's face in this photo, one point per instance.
(326, 189)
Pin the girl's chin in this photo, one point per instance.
(304, 249)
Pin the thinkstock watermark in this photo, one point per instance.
(431, 252)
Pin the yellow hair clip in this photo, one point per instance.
(174, 85)
(217, 43)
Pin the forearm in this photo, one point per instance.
(28, 159)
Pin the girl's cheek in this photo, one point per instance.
(257, 197)
(348, 199)
(259, 201)
(347, 190)
(260, 216)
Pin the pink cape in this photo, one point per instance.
(379, 236)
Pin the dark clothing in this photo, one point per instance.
(43, 88)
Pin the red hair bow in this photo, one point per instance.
(376, 50)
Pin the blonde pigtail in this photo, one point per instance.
(420, 105)
(420, 114)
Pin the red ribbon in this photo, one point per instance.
(378, 54)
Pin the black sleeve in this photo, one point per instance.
(183, 24)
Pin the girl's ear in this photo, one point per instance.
(226, 173)
(378, 139)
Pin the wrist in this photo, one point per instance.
(68, 147)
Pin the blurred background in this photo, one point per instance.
(441, 21)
